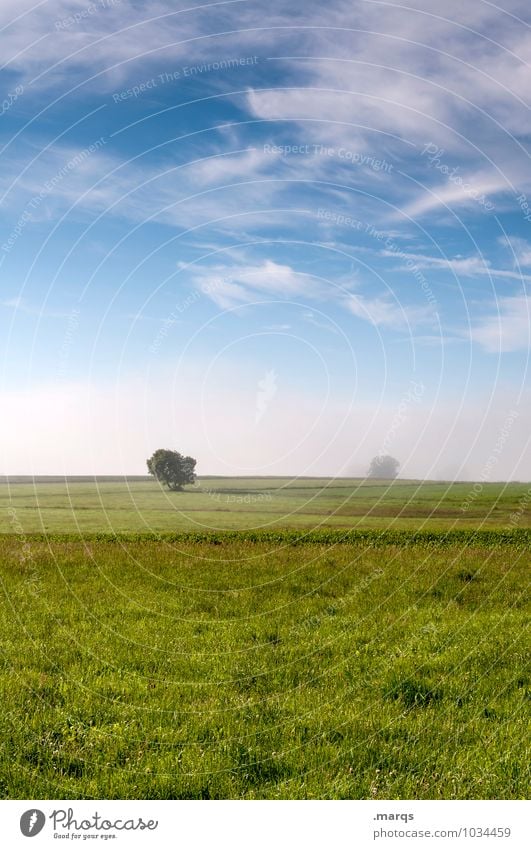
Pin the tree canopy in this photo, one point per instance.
(171, 468)
(383, 467)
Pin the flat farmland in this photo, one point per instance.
(264, 638)
(118, 506)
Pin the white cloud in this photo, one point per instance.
(468, 266)
(509, 329)
(387, 312)
(231, 166)
(184, 195)
(451, 195)
(23, 305)
(415, 72)
(247, 284)
(391, 79)
(17, 303)
(62, 40)
(472, 266)
(520, 249)
(228, 285)
(411, 71)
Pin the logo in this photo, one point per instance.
(32, 822)
(267, 389)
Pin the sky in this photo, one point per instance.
(281, 238)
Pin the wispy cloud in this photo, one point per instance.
(508, 329)
(228, 285)
(414, 70)
(24, 306)
(388, 312)
(435, 197)
(472, 266)
(231, 285)
(520, 249)
(17, 303)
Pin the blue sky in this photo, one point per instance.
(280, 239)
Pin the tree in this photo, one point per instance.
(383, 467)
(172, 468)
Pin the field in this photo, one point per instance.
(332, 653)
(260, 503)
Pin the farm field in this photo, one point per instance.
(259, 503)
(173, 669)
(264, 638)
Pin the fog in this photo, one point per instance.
(232, 429)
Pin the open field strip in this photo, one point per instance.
(261, 503)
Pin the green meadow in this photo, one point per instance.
(340, 639)
(260, 503)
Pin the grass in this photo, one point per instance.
(260, 503)
(244, 666)
(264, 638)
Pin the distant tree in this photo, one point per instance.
(171, 468)
(383, 467)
